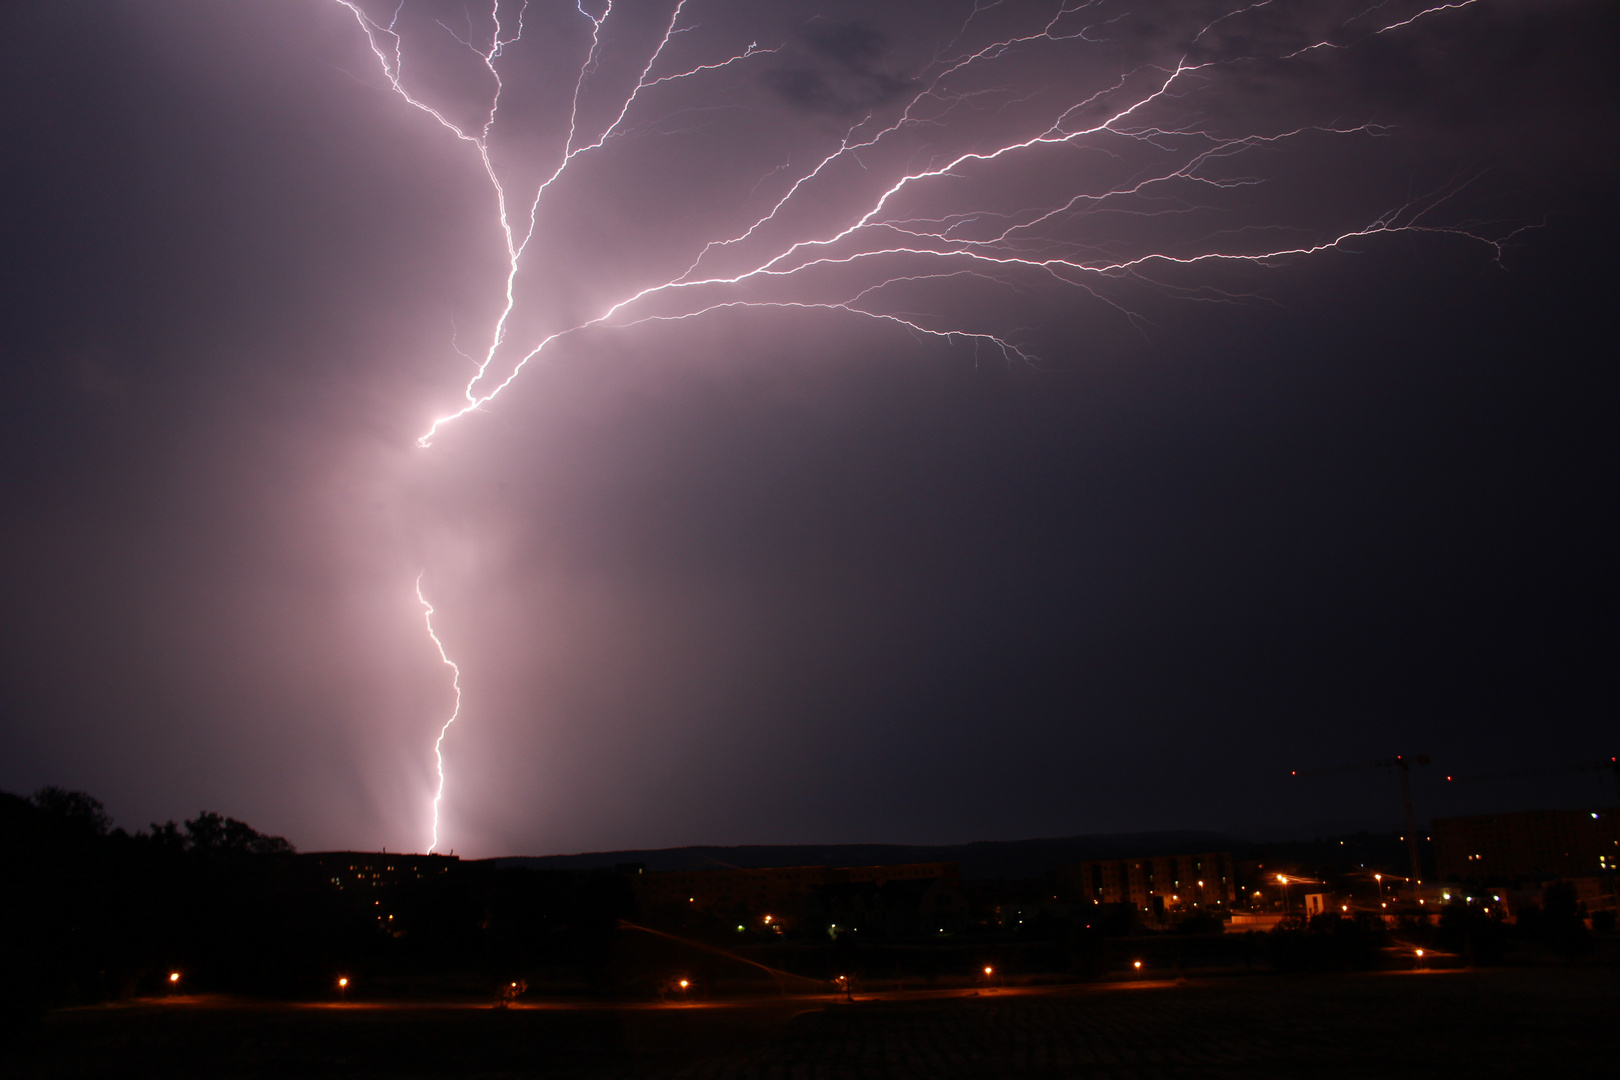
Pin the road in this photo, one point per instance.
(1479, 1024)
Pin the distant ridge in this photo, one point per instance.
(981, 859)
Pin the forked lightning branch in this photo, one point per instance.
(877, 258)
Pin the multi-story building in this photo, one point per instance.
(1158, 883)
(1533, 843)
(762, 890)
(375, 870)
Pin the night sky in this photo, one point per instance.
(1140, 538)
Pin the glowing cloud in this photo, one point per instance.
(926, 189)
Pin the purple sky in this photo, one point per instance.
(1145, 531)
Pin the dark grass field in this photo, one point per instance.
(1551, 1023)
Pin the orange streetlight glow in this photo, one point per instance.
(174, 976)
(343, 984)
(1137, 964)
(988, 969)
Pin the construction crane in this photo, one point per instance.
(1401, 764)
(1612, 765)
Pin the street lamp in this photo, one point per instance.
(343, 987)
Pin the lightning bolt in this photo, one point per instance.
(455, 682)
(860, 264)
(877, 237)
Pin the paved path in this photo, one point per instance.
(1473, 1024)
(1554, 1024)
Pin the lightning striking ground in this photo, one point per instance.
(928, 218)
(455, 711)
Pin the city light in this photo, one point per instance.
(343, 984)
(174, 977)
(988, 970)
(1137, 964)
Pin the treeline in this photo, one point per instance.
(92, 913)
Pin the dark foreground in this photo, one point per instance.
(1549, 1022)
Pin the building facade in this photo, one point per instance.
(347, 870)
(1533, 843)
(761, 890)
(1160, 883)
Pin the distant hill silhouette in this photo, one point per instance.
(982, 859)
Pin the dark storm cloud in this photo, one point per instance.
(787, 576)
(837, 69)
